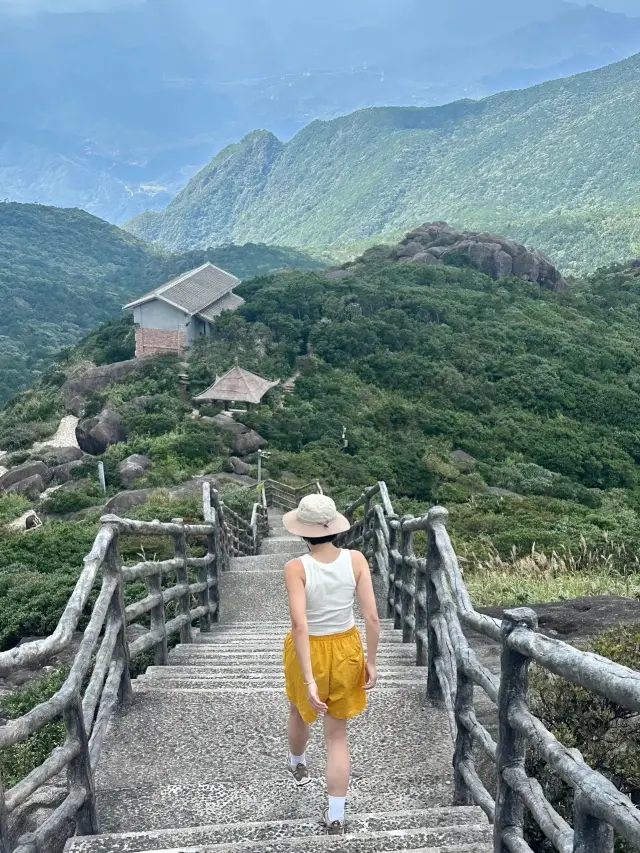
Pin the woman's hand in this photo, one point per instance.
(372, 676)
(314, 700)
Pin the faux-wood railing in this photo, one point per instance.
(287, 497)
(103, 658)
(430, 603)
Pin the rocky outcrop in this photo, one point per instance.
(31, 487)
(192, 489)
(240, 466)
(54, 456)
(124, 501)
(76, 391)
(497, 257)
(64, 473)
(96, 434)
(133, 468)
(244, 441)
(24, 472)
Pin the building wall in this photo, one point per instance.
(160, 341)
(156, 314)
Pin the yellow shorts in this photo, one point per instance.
(339, 670)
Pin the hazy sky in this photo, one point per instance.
(628, 6)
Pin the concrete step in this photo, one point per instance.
(235, 672)
(439, 822)
(262, 563)
(290, 545)
(203, 737)
(252, 595)
(172, 805)
(262, 638)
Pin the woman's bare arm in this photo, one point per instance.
(295, 578)
(364, 588)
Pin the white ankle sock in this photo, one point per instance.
(294, 760)
(336, 808)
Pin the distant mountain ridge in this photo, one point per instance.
(166, 86)
(538, 165)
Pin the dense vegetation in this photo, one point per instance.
(538, 165)
(540, 389)
(62, 272)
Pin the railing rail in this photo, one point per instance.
(101, 665)
(285, 496)
(429, 601)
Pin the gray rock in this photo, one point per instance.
(30, 816)
(64, 473)
(247, 442)
(192, 489)
(24, 472)
(502, 493)
(239, 467)
(54, 456)
(124, 501)
(228, 424)
(30, 487)
(495, 256)
(463, 456)
(96, 434)
(133, 468)
(75, 391)
(408, 250)
(75, 485)
(424, 258)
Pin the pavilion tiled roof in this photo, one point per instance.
(239, 386)
(194, 292)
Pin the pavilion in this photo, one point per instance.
(237, 386)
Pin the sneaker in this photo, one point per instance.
(334, 827)
(300, 774)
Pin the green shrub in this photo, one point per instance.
(605, 733)
(18, 761)
(11, 507)
(62, 502)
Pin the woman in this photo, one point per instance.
(325, 668)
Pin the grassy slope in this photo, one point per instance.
(555, 166)
(62, 272)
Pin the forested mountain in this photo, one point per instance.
(556, 166)
(62, 272)
(166, 86)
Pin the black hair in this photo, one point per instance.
(320, 540)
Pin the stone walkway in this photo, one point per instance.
(197, 762)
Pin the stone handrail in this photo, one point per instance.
(99, 678)
(429, 601)
(288, 497)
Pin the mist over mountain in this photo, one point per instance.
(163, 86)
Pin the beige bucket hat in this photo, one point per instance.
(316, 516)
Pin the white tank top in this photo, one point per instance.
(330, 590)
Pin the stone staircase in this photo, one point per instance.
(197, 761)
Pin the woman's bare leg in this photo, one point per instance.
(298, 732)
(338, 757)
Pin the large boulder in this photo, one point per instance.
(24, 472)
(30, 487)
(64, 473)
(247, 443)
(240, 466)
(228, 424)
(192, 489)
(75, 391)
(54, 456)
(96, 434)
(133, 468)
(496, 256)
(124, 501)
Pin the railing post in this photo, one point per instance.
(182, 577)
(158, 621)
(5, 846)
(514, 678)
(394, 534)
(213, 578)
(591, 835)
(407, 596)
(464, 741)
(79, 772)
(434, 690)
(113, 566)
(399, 578)
(205, 620)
